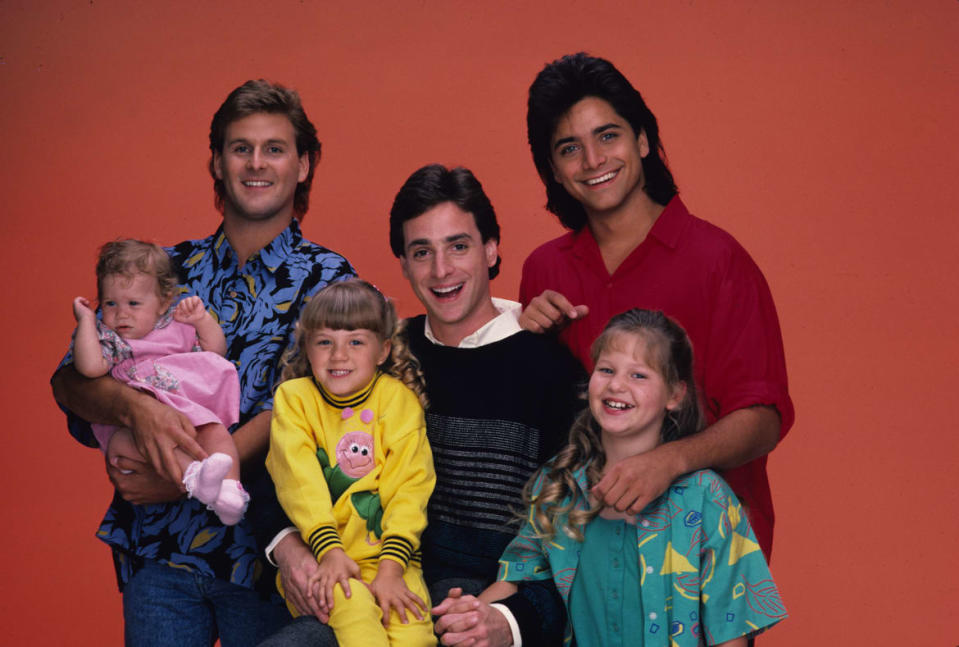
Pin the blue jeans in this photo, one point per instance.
(170, 607)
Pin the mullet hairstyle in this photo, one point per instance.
(130, 257)
(260, 96)
(561, 85)
(355, 304)
(433, 185)
(671, 354)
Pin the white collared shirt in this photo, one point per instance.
(498, 328)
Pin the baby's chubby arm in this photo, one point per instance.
(191, 311)
(87, 356)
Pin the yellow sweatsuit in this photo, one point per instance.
(356, 473)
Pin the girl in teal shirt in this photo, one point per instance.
(685, 571)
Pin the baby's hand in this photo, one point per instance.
(190, 310)
(392, 593)
(82, 310)
(335, 567)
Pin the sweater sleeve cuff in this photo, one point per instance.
(511, 621)
(398, 549)
(322, 540)
(524, 617)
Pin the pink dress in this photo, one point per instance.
(168, 364)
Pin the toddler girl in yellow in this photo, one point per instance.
(352, 466)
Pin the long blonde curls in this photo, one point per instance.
(353, 305)
(671, 354)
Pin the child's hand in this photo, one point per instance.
(82, 310)
(391, 592)
(335, 567)
(190, 311)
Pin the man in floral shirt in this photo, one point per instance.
(186, 578)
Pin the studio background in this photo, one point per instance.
(822, 135)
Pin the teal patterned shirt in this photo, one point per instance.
(257, 306)
(701, 577)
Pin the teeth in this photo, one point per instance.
(339, 373)
(602, 178)
(447, 290)
(256, 183)
(613, 404)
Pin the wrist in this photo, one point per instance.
(676, 458)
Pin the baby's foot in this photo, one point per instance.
(203, 479)
(230, 505)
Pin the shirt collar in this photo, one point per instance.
(504, 325)
(272, 255)
(352, 400)
(667, 229)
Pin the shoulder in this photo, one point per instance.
(306, 253)
(550, 252)
(714, 245)
(393, 390)
(703, 485)
(296, 388)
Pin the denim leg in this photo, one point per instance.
(242, 616)
(304, 631)
(164, 607)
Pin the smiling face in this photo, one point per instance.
(344, 361)
(447, 264)
(130, 304)
(597, 158)
(260, 167)
(628, 396)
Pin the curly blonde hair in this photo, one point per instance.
(130, 257)
(352, 305)
(671, 354)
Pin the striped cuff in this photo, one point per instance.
(323, 539)
(398, 549)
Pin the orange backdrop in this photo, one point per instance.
(821, 134)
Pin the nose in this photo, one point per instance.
(593, 156)
(441, 265)
(256, 159)
(615, 382)
(339, 351)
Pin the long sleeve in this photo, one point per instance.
(292, 462)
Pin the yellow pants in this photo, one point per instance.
(358, 620)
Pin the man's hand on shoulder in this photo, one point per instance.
(550, 311)
(633, 483)
(465, 620)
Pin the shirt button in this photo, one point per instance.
(649, 569)
(652, 616)
(644, 523)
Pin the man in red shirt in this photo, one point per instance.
(633, 243)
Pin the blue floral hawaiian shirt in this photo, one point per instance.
(257, 306)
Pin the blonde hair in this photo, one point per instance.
(353, 305)
(671, 354)
(130, 257)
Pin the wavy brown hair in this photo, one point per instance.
(671, 354)
(352, 305)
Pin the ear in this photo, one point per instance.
(491, 247)
(218, 164)
(643, 142)
(384, 352)
(304, 169)
(676, 397)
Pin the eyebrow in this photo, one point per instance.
(448, 239)
(244, 140)
(596, 131)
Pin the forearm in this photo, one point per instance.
(210, 334)
(253, 439)
(87, 356)
(733, 440)
(102, 400)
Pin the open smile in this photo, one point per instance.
(256, 184)
(447, 293)
(602, 179)
(617, 405)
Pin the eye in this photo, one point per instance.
(356, 342)
(567, 150)
(322, 342)
(354, 448)
(275, 150)
(134, 303)
(608, 136)
(365, 451)
(637, 375)
(109, 304)
(460, 247)
(241, 149)
(604, 370)
(420, 254)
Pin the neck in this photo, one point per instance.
(247, 237)
(452, 334)
(618, 449)
(620, 231)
